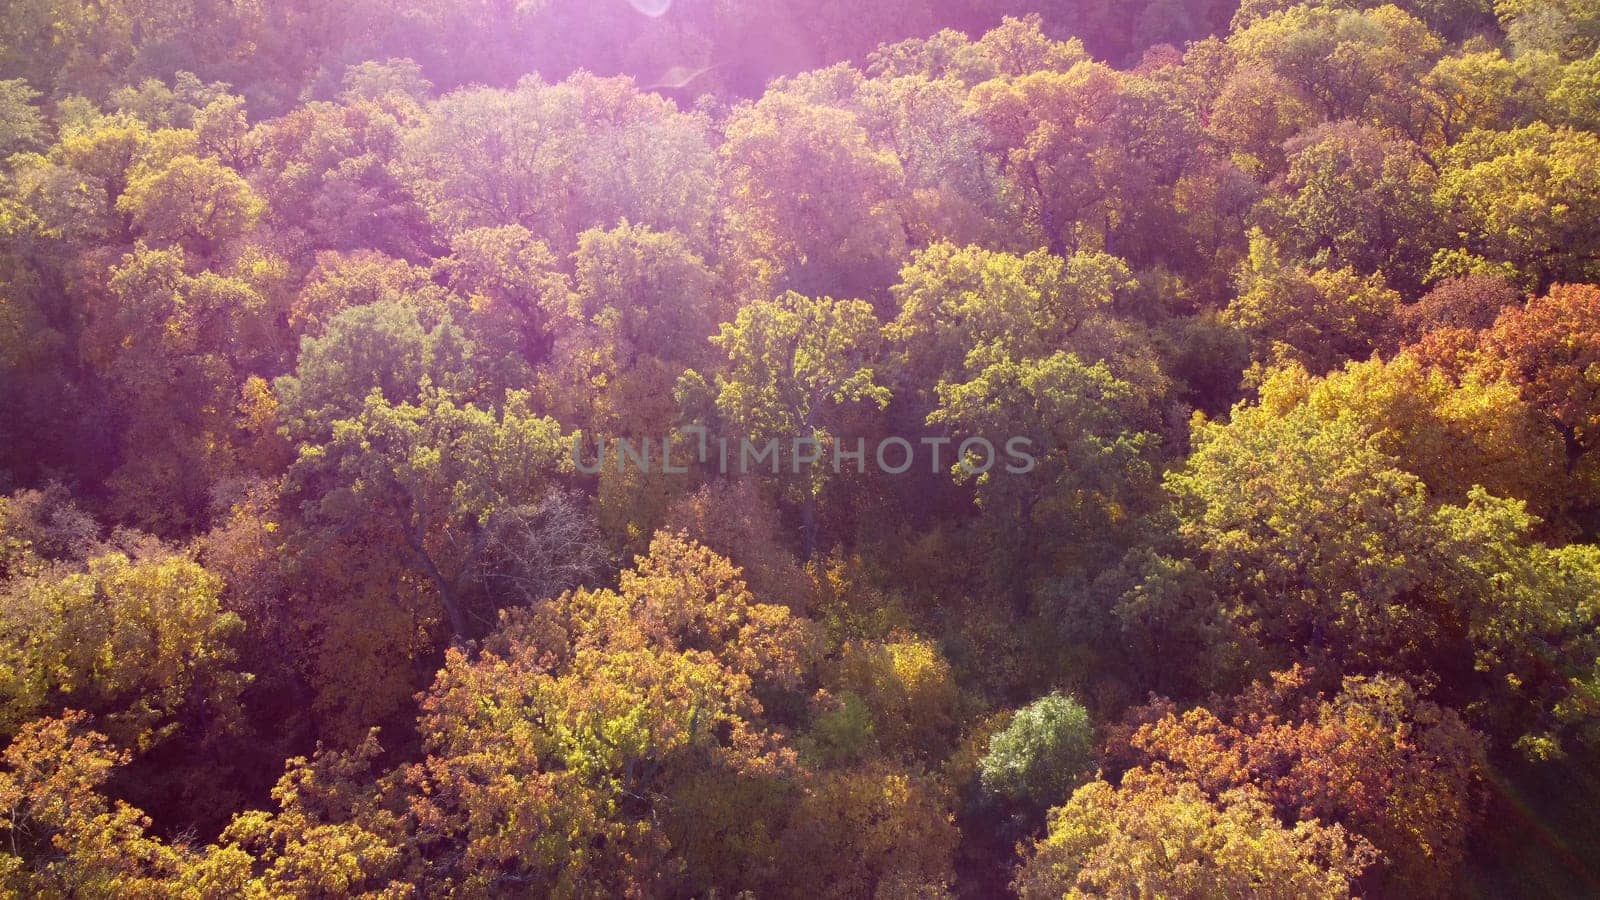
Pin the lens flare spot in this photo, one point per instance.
(678, 77)
(652, 8)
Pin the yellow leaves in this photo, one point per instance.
(1453, 434)
(680, 597)
(329, 837)
(1323, 316)
(908, 687)
(597, 702)
(193, 200)
(1158, 836)
(135, 641)
(364, 650)
(1525, 197)
(50, 793)
(871, 831)
(812, 195)
(1400, 773)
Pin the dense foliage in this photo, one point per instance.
(335, 339)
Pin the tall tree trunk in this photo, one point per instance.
(446, 587)
(808, 527)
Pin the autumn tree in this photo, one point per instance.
(162, 336)
(195, 202)
(1573, 96)
(1548, 350)
(447, 481)
(1453, 433)
(64, 835)
(1015, 46)
(1255, 114)
(1246, 374)
(339, 281)
(649, 292)
(1350, 62)
(40, 528)
(872, 831)
(1318, 317)
(1397, 772)
(811, 197)
(735, 519)
(143, 644)
(907, 688)
(797, 368)
(953, 190)
(1476, 88)
(330, 832)
(642, 309)
(1522, 198)
(582, 717)
(1567, 29)
(546, 157)
(327, 173)
(1162, 834)
(1465, 305)
(77, 186)
(520, 301)
(1055, 134)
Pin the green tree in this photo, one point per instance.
(196, 202)
(546, 157)
(796, 368)
(442, 479)
(1043, 752)
(1318, 317)
(1362, 200)
(391, 347)
(957, 303)
(1525, 198)
(1067, 464)
(20, 120)
(1322, 549)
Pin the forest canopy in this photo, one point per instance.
(675, 448)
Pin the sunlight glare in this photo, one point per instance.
(655, 9)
